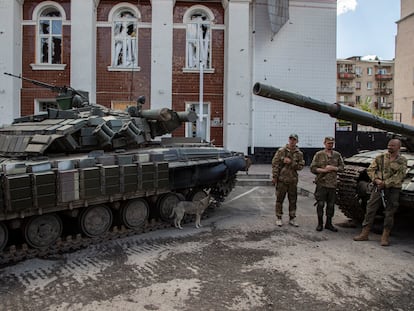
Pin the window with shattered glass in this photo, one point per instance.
(124, 40)
(50, 36)
(198, 41)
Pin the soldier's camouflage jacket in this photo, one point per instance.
(391, 172)
(320, 160)
(287, 173)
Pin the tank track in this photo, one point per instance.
(347, 197)
(73, 242)
(16, 253)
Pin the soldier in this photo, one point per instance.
(326, 164)
(286, 163)
(387, 173)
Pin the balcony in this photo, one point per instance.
(345, 89)
(346, 75)
(382, 105)
(385, 105)
(347, 103)
(383, 77)
(383, 91)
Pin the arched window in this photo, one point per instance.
(49, 46)
(198, 37)
(125, 38)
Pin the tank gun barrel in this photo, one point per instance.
(163, 114)
(187, 116)
(334, 110)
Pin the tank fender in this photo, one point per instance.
(235, 164)
(209, 174)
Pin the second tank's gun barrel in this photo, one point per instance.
(334, 110)
(187, 116)
(163, 114)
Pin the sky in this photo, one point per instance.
(367, 27)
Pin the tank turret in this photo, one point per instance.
(79, 126)
(353, 185)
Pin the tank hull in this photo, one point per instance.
(66, 186)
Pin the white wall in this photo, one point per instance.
(301, 58)
(161, 53)
(237, 76)
(83, 47)
(10, 60)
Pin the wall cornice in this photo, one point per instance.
(225, 3)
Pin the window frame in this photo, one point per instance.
(38, 102)
(203, 12)
(206, 119)
(113, 19)
(37, 17)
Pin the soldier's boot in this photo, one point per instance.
(385, 237)
(363, 236)
(320, 223)
(329, 225)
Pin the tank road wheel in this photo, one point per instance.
(42, 231)
(165, 205)
(95, 220)
(4, 235)
(352, 193)
(197, 195)
(134, 213)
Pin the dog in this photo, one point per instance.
(248, 164)
(189, 207)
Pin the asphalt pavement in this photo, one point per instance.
(261, 175)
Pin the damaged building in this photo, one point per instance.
(198, 55)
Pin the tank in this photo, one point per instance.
(81, 173)
(353, 182)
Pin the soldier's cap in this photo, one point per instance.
(329, 139)
(295, 136)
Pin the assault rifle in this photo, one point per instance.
(382, 194)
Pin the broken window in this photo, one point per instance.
(50, 36)
(198, 41)
(124, 40)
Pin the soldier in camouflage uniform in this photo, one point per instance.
(286, 163)
(326, 164)
(387, 173)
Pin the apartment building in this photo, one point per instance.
(368, 82)
(404, 63)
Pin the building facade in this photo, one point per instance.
(366, 83)
(404, 63)
(199, 55)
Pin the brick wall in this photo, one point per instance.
(129, 85)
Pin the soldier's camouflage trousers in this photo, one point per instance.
(322, 195)
(292, 193)
(375, 201)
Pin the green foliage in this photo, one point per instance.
(366, 106)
